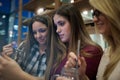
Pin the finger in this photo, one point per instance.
(1, 59)
(6, 57)
(8, 51)
(83, 62)
(72, 55)
(62, 78)
(70, 63)
(71, 60)
(7, 46)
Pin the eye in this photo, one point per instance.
(42, 30)
(61, 23)
(96, 13)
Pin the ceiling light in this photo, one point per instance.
(72, 1)
(40, 10)
(91, 11)
(0, 3)
(4, 16)
(85, 12)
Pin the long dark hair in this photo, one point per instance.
(57, 51)
(78, 29)
(30, 40)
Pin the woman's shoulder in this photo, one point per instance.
(93, 49)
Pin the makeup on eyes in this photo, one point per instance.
(61, 23)
(41, 30)
(96, 13)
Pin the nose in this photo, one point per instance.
(95, 19)
(38, 35)
(58, 30)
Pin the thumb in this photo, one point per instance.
(6, 57)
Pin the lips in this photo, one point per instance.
(40, 40)
(100, 23)
(61, 35)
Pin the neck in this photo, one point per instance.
(42, 48)
(67, 45)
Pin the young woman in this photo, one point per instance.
(32, 52)
(70, 28)
(106, 17)
(36, 52)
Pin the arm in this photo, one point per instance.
(92, 61)
(12, 50)
(10, 70)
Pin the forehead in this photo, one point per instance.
(58, 18)
(38, 24)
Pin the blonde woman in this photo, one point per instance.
(106, 17)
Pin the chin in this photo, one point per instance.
(41, 43)
(64, 41)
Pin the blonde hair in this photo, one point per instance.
(111, 10)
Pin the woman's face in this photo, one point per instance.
(40, 31)
(101, 22)
(63, 28)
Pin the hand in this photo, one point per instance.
(72, 63)
(9, 69)
(8, 49)
(62, 78)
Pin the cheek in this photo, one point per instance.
(68, 34)
(35, 36)
(46, 33)
(68, 31)
(67, 28)
(101, 29)
(107, 28)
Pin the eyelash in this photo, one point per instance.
(40, 31)
(61, 23)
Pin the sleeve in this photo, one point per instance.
(93, 61)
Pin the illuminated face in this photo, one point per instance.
(40, 31)
(101, 22)
(63, 28)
